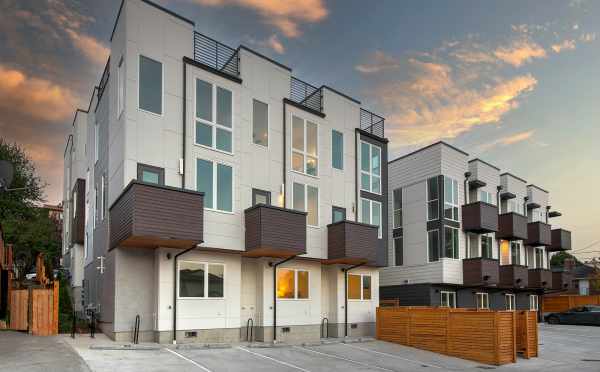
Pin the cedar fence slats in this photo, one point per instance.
(35, 310)
(484, 336)
(557, 304)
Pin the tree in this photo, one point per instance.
(558, 260)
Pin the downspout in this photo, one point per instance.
(466, 192)
(345, 271)
(498, 189)
(274, 266)
(525, 199)
(356, 175)
(184, 124)
(175, 290)
(284, 154)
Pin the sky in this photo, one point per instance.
(515, 83)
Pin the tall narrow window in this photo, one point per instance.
(397, 208)
(447, 299)
(398, 251)
(370, 168)
(121, 87)
(450, 242)
(433, 245)
(486, 246)
(215, 180)
(533, 302)
(96, 141)
(150, 85)
(450, 199)
(337, 150)
(305, 154)
(214, 116)
(510, 301)
(371, 214)
(306, 199)
(483, 301)
(539, 258)
(515, 248)
(433, 196)
(260, 123)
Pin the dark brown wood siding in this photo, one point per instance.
(78, 221)
(274, 231)
(481, 271)
(480, 217)
(352, 241)
(516, 276)
(152, 215)
(561, 240)
(512, 226)
(562, 280)
(538, 233)
(540, 278)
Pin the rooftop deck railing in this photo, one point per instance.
(372, 123)
(306, 95)
(216, 55)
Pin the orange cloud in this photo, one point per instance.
(565, 45)
(508, 140)
(520, 52)
(379, 61)
(274, 43)
(89, 47)
(38, 98)
(283, 14)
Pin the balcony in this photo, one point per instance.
(217, 57)
(514, 276)
(150, 216)
(512, 226)
(540, 278)
(562, 280)
(538, 233)
(561, 241)
(372, 123)
(481, 271)
(274, 232)
(306, 96)
(480, 217)
(78, 212)
(351, 243)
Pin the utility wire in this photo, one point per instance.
(586, 247)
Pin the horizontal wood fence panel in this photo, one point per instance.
(527, 335)
(19, 304)
(35, 310)
(556, 304)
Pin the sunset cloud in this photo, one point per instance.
(565, 45)
(274, 43)
(519, 52)
(284, 15)
(378, 62)
(508, 140)
(90, 47)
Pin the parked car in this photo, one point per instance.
(582, 315)
(31, 276)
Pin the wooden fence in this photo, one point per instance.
(554, 304)
(35, 310)
(484, 336)
(527, 333)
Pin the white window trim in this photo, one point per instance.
(362, 294)
(511, 301)
(162, 85)
(455, 203)
(102, 195)
(206, 263)
(370, 172)
(395, 224)
(491, 241)
(520, 244)
(457, 241)
(370, 222)
(437, 231)
(252, 127)
(303, 152)
(214, 185)
(448, 293)
(295, 270)
(121, 87)
(305, 186)
(534, 302)
(214, 125)
(482, 295)
(343, 157)
(427, 201)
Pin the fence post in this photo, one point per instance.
(55, 298)
(514, 320)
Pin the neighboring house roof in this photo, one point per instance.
(583, 271)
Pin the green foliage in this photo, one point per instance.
(65, 307)
(558, 260)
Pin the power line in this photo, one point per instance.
(586, 247)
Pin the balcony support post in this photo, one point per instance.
(274, 266)
(345, 271)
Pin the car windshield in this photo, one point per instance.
(594, 309)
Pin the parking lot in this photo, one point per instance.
(562, 348)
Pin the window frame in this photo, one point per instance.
(370, 222)
(265, 193)
(489, 240)
(215, 164)
(394, 215)
(214, 126)
(141, 167)
(305, 193)
(510, 301)
(534, 300)
(436, 201)
(333, 131)
(489, 197)
(339, 209)
(482, 295)
(162, 93)
(121, 82)
(206, 289)
(437, 232)
(362, 287)
(457, 240)
(449, 294)
(538, 265)
(295, 270)
(268, 123)
(455, 203)
(401, 239)
(303, 152)
(370, 173)
(520, 246)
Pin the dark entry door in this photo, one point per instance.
(3, 293)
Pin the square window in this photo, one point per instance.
(204, 134)
(191, 279)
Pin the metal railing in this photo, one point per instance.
(214, 54)
(104, 80)
(306, 94)
(372, 123)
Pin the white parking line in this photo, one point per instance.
(394, 356)
(274, 360)
(189, 360)
(346, 359)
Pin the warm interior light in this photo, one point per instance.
(504, 252)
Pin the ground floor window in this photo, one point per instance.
(292, 284)
(483, 301)
(359, 287)
(201, 280)
(510, 301)
(447, 299)
(533, 302)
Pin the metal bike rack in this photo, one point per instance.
(136, 330)
(249, 330)
(325, 322)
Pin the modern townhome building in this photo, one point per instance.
(463, 234)
(209, 190)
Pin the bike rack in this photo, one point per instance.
(249, 330)
(74, 324)
(92, 324)
(326, 333)
(136, 330)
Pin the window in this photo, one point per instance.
(486, 246)
(150, 85)
(96, 142)
(371, 214)
(292, 284)
(121, 87)
(305, 156)
(397, 208)
(261, 197)
(337, 150)
(398, 251)
(447, 299)
(533, 302)
(450, 242)
(359, 287)
(74, 203)
(483, 301)
(306, 199)
(260, 123)
(515, 253)
(215, 180)
(201, 280)
(214, 123)
(433, 196)
(150, 174)
(510, 301)
(370, 168)
(514, 206)
(539, 258)
(450, 199)
(338, 214)
(433, 245)
(103, 198)
(486, 197)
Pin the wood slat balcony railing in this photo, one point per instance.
(561, 240)
(481, 271)
(480, 217)
(350, 242)
(514, 276)
(540, 278)
(538, 234)
(512, 226)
